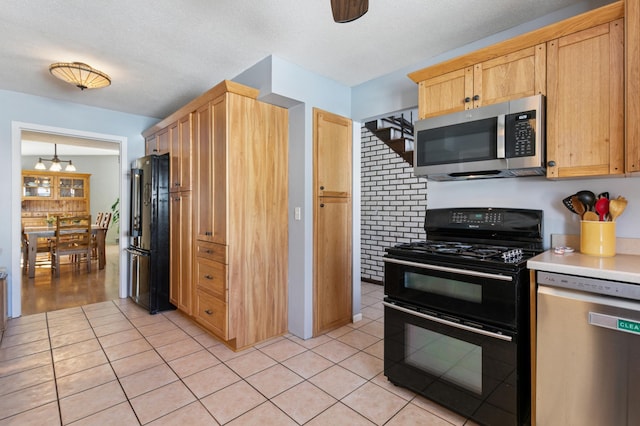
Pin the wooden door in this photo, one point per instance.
(445, 93)
(181, 251)
(332, 221)
(333, 287)
(516, 75)
(585, 103)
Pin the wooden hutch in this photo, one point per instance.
(50, 194)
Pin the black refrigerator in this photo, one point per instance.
(149, 225)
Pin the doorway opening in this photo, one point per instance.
(80, 139)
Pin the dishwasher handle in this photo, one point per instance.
(611, 322)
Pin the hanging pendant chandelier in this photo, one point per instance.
(80, 75)
(56, 165)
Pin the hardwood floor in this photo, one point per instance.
(74, 287)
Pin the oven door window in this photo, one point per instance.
(447, 287)
(478, 375)
(454, 360)
(477, 297)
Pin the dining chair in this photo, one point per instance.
(104, 218)
(72, 237)
(42, 256)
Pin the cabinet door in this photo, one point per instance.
(72, 188)
(37, 187)
(185, 155)
(204, 173)
(211, 129)
(632, 85)
(446, 93)
(181, 138)
(151, 145)
(585, 120)
(516, 75)
(333, 287)
(174, 158)
(181, 251)
(333, 162)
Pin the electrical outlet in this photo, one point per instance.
(297, 214)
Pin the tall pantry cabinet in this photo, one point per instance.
(239, 230)
(332, 265)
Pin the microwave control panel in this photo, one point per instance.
(520, 134)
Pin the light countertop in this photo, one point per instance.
(621, 267)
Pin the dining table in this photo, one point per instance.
(32, 233)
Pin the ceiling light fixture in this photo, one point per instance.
(80, 75)
(55, 163)
(348, 10)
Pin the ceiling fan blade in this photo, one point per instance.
(348, 10)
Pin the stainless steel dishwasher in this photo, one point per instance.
(588, 351)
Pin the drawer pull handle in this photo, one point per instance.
(208, 312)
(209, 277)
(208, 251)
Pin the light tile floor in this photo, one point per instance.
(113, 363)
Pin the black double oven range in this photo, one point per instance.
(456, 306)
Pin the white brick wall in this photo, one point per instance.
(393, 204)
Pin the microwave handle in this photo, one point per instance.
(500, 140)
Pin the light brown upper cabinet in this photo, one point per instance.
(180, 166)
(158, 143)
(332, 295)
(511, 76)
(332, 154)
(579, 63)
(632, 84)
(585, 103)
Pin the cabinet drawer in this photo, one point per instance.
(212, 313)
(213, 251)
(212, 276)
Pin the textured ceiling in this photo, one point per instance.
(163, 53)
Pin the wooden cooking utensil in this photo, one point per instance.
(578, 206)
(593, 216)
(616, 207)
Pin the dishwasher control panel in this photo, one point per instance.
(590, 285)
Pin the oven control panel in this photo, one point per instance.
(476, 217)
(493, 222)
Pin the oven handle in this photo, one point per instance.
(453, 270)
(449, 323)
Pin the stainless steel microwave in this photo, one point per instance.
(500, 140)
